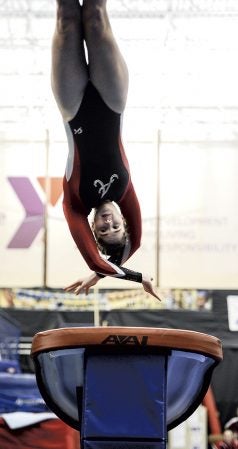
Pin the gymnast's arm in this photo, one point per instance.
(83, 237)
(79, 227)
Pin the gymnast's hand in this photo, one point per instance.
(148, 287)
(83, 285)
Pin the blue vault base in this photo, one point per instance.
(124, 396)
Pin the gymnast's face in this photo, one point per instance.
(109, 224)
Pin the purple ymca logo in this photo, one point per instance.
(34, 208)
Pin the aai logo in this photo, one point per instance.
(122, 340)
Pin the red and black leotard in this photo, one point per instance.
(97, 170)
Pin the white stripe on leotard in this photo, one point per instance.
(70, 159)
(119, 273)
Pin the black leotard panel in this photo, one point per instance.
(96, 131)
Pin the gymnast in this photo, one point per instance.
(90, 83)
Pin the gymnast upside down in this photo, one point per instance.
(90, 84)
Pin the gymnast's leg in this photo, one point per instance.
(107, 68)
(69, 67)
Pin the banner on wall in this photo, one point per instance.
(198, 219)
(198, 194)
